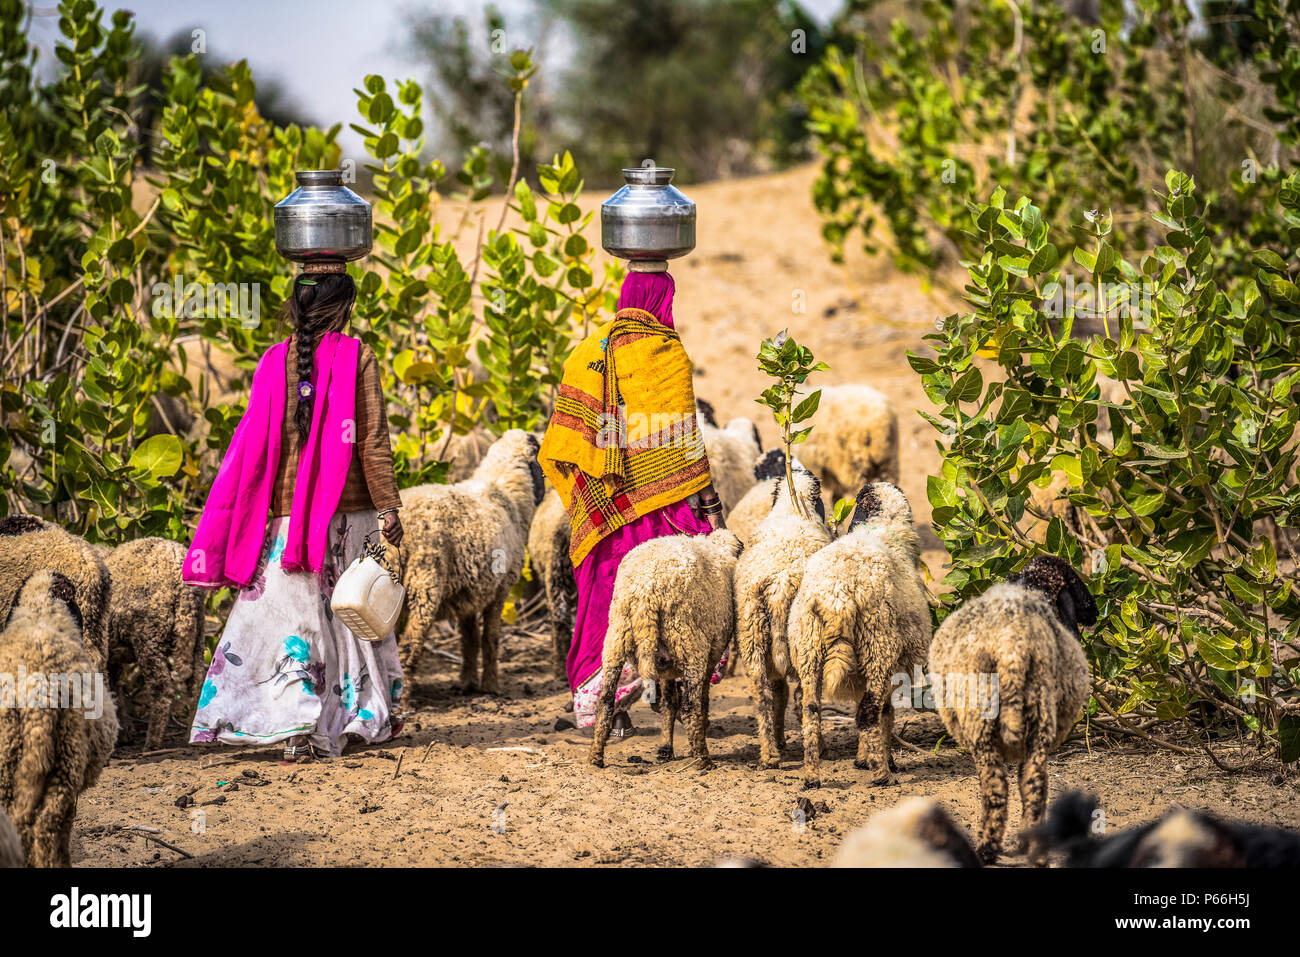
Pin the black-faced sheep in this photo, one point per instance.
(855, 441)
(11, 845)
(464, 550)
(55, 741)
(29, 544)
(672, 613)
(757, 502)
(1019, 642)
(733, 453)
(859, 618)
(1179, 838)
(548, 556)
(768, 575)
(916, 832)
(155, 621)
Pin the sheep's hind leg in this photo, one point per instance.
(695, 715)
(51, 833)
(769, 744)
(780, 700)
(604, 713)
(993, 802)
(492, 628)
(1033, 792)
(158, 687)
(469, 644)
(669, 708)
(873, 743)
(811, 683)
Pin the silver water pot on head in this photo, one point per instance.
(322, 220)
(648, 220)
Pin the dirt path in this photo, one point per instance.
(465, 764)
(487, 782)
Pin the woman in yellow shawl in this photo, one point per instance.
(625, 454)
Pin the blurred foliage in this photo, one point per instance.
(921, 114)
(707, 87)
(124, 375)
(1180, 481)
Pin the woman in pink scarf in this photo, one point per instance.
(312, 454)
(595, 574)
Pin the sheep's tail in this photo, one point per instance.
(38, 738)
(780, 641)
(625, 641)
(1005, 723)
(839, 659)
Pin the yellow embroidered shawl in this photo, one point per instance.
(623, 440)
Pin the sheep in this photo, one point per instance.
(464, 452)
(156, 622)
(464, 550)
(860, 616)
(733, 453)
(1179, 838)
(28, 544)
(757, 502)
(916, 832)
(672, 612)
(548, 554)
(53, 745)
(768, 574)
(11, 845)
(855, 441)
(1021, 637)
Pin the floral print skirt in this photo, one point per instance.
(284, 666)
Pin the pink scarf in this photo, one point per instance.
(228, 542)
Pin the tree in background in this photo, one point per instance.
(707, 87)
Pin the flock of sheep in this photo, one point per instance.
(814, 612)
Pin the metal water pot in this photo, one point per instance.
(648, 219)
(322, 220)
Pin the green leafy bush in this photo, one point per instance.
(1180, 472)
(110, 269)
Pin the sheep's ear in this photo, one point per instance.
(1085, 606)
(20, 524)
(539, 481)
(63, 589)
(866, 507)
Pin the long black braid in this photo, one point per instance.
(321, 302)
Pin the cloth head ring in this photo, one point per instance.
(648, 265)
(324, 265)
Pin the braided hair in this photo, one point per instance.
(321, 302)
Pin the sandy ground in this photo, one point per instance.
(484, 781)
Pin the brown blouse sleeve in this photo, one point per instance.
(372, 435)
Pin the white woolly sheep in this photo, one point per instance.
(548, 556)
(757, 502)
(1019, 641)
(733, 453)
(768, 575)
(915, 832)
(860, 617)
(29, 544)
(855, 441)
(672, 613)
(11, 845)
(464, 550)
(54, 746)
(155, 621)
